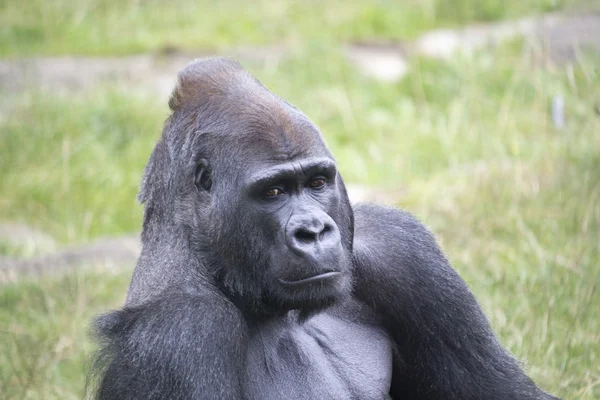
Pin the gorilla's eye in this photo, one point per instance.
(274, 192)
(317, 183)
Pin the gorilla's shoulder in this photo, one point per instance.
(178, 307)
(384, 220)
(391, 237)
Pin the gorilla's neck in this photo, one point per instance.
(166, 259)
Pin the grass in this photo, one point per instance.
(514, 202)
(70, 171)
(45, 345)
(129, 26)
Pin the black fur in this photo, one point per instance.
(259, 280)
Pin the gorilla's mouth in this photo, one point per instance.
(312, 280)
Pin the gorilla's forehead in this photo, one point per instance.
(278, 142)
(267, 130)
(264, 124)
(264, 147)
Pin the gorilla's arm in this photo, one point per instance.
(177, 347)
(445, 348)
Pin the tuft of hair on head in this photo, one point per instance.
(204, 77)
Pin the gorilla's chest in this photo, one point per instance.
(325, 357)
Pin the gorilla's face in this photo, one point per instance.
(294, 207)
(282, 224)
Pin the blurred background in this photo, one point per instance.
(482, 117)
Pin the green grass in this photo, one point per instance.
(129, 26)
(45, 347)
(72, 162)
(469, 143)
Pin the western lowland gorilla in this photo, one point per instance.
(259, 280)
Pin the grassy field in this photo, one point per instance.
(468, 143)
(125, 26)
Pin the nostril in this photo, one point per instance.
(305, 236)
(326, 230)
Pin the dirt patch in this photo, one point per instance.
(566, 38)
(156, 72)
(110, 252)
(24, 237)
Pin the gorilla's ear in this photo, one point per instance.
(202, 176)
(203, 78)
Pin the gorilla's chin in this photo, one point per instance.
(309, 282)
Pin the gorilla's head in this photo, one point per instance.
(249, 180)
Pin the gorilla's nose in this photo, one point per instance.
(310, 234)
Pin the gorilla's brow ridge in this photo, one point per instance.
(304, 167)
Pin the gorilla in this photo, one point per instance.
(259, 280)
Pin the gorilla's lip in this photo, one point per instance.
(313, 279)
